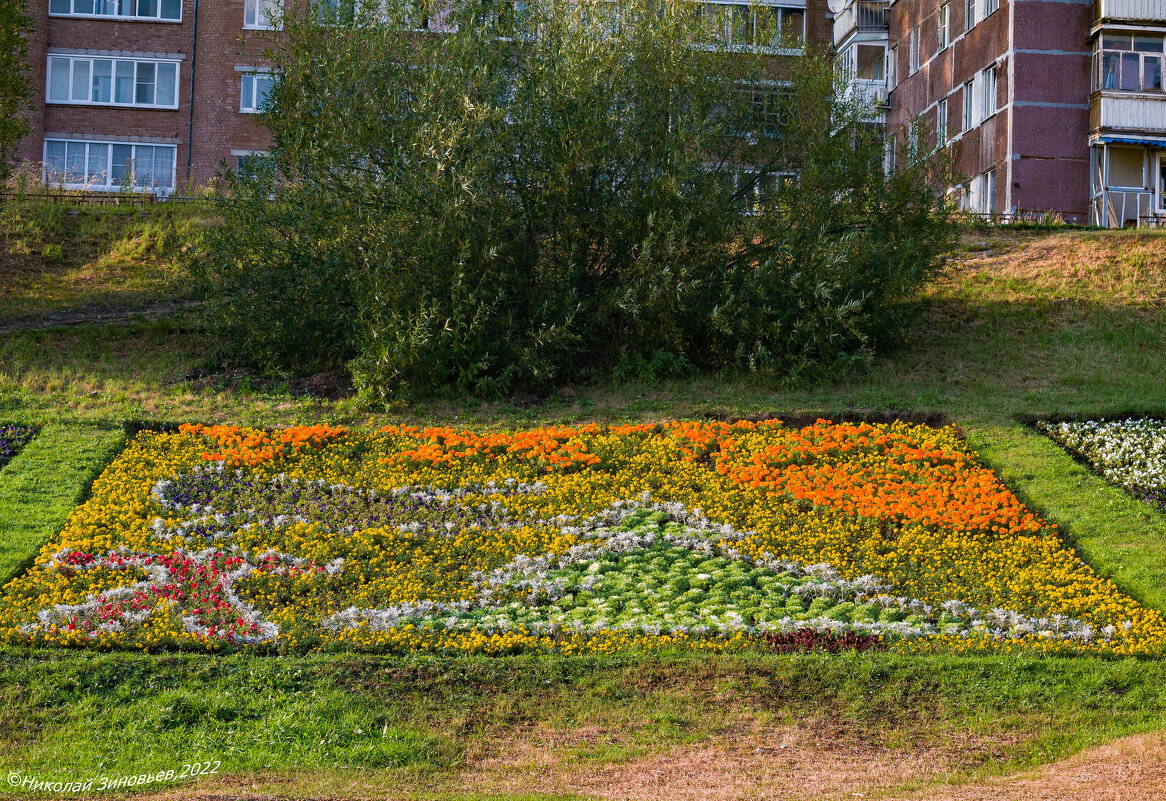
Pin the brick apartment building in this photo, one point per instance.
(1046, 105)
(149, 94)
(159, 95)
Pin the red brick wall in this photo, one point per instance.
(1051, 116)
(1050, 127)
(218, 127)
(942, 74)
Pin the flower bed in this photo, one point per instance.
(1130, 453)
(688, 534)
(12, 439)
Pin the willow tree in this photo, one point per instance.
(516, 195)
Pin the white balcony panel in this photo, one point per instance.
(1134, 10)
(1133, 114)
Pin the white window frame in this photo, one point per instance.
(121, 10)
(941, 123)
(116, 61)
(970, 14)
(990, 7)
(258, 14)
(109, 185)
(969, 105)
(892, 70)
(249, 105)
(916, 55)
(988, 89)
(943, 27)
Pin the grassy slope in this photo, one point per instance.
(57, 258)
(1025, 324)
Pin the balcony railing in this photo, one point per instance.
(1134, 114)
(862, 16)
(1130, 10)
(873, 15)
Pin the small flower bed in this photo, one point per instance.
(689, 534)
(12, 439)
(1130, 453)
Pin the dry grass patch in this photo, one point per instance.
(803, 761)
(1114, 267)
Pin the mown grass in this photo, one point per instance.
(57, 258)
(1024, 324)
(40, 486)
(421, 725)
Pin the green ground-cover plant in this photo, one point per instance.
(519, 201)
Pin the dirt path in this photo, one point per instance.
(96, 317)
(786, 768)
(1130, 769)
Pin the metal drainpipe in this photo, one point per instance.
(190, 130)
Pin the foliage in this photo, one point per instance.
(15, 87)
(520, 200)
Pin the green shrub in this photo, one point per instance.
(555, 195)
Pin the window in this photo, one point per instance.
(988, 103)
(767, 115)
(755, 190)
(915, 56)
(870, 63)
(256, 88)
(944, 27)
(969, 105)
(980, 195)
(147, 10)
(970, 18)
(757, 25)
(892, 63)
(261, 13)
(989, 7)
(108, 166)
(941, 123)
(1128, 63)
(250, 164)
(112, 82)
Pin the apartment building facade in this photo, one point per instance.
(161, 95)
(1045, 105)
(152, 95)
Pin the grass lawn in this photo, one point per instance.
(1025, 324)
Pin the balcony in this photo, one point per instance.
(1130, 10)
(863, 16)
(1129, 115)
